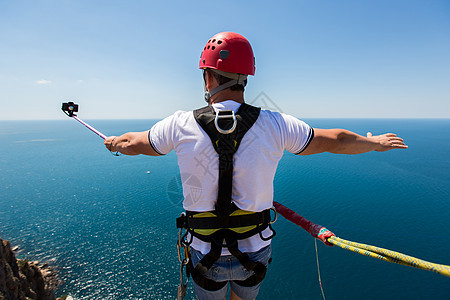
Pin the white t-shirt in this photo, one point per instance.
(254, 166)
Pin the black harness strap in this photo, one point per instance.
(226, 145)
(233, 221)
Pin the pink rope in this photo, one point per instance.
(295, 218)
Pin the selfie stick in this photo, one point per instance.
(69, 108)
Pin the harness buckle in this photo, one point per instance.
(227, 116)
(181, 221)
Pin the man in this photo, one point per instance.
(232, 150)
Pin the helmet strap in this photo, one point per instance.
(207, 94)
(237, 79)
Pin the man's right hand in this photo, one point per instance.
(131, 143)
(109, 143)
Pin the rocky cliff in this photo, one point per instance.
(22, 279)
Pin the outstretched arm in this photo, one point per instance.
(343, 141)
(131, 143)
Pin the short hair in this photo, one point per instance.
(222, 80)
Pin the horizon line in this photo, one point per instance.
(303, 118)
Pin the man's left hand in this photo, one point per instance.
(387, 141)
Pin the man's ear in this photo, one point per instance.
(211, 81)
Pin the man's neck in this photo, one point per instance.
(224, 95)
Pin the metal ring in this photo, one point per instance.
(216, 120)
(276, 215)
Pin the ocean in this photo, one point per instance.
(107, 224)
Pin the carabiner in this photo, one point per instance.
(276, 215)
(182, 287)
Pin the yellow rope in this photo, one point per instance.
(390, 256)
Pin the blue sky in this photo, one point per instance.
(139, 59)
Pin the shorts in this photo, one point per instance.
(228, 268)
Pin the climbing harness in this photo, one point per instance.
(227, 224)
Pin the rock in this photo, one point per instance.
(30, 273)
(12, 283)
(20, 279)
(32, 294)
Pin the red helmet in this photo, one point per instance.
(228, 52)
